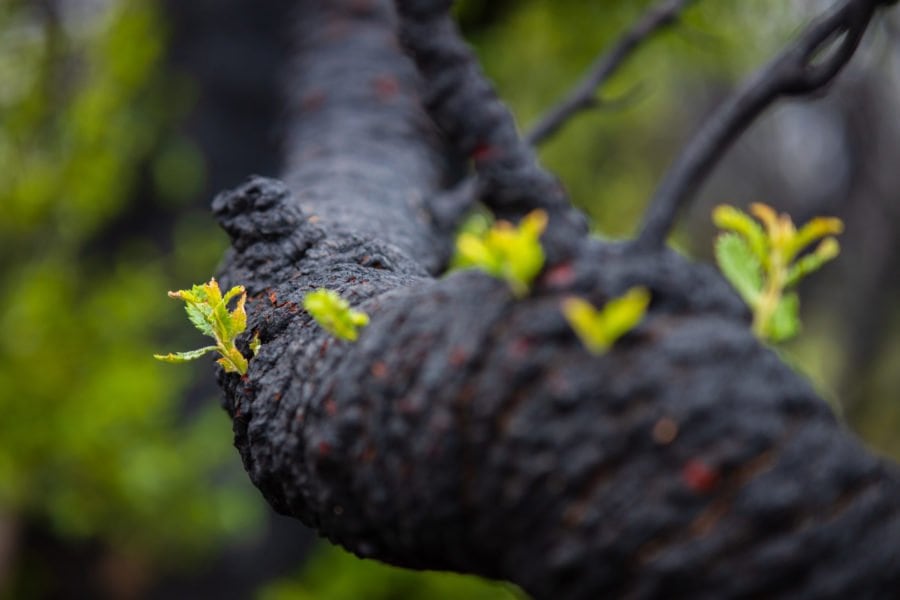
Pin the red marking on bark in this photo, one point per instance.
(699, 477)
(330, 407)
(520, 347)
(324, 347)
(324, 448)
(386, 87)
(312, 100)
(368, 454)
(458, 357)
(277, 397)
(379, 369)
(484, 151)
(562, 275)
(273, 298)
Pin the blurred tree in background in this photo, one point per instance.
(120, 118)
(95, 443)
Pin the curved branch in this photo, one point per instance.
(583, 95)
(807, 65)
(463, 103)
(471, 431)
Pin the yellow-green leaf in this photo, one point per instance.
(740, 266)
(815, 229)
(506, 251)
(233, 361)
(199, 317)
(785, 321)
(828, 249)
(334, 314)
(598, 330)
(762, 280)
(733, 219)
(208, 310)
(472, 251)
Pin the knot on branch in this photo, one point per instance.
(259, 209)
(268, 230)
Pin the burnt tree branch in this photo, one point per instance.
(464, 105)
(470, 431)
(806, 66)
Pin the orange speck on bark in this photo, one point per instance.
(665, 431)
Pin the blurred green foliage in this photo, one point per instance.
(610, 157)
(333, 574)
(94, 441)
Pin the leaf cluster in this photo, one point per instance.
(599, 329)
(503, 250)
(334, 314)
(207, 309)
(763, 259)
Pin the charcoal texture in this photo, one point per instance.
(470, 430)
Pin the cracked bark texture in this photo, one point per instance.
(467, 430)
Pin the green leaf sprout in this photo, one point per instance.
(334, 314)
(599, 329)
(760, 259)
(505, 251)
(207, 309)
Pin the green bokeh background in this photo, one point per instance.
(101, 212)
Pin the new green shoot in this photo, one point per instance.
(207, 309)
(506, 251)
(334, 314)
(761, 259)
(598, 330)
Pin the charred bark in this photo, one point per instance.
(469, 430)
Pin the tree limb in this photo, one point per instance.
(583, 95)
(470, 431)
(810, 63)
(464, 105)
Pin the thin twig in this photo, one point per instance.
(807, 65)
(583, 95)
